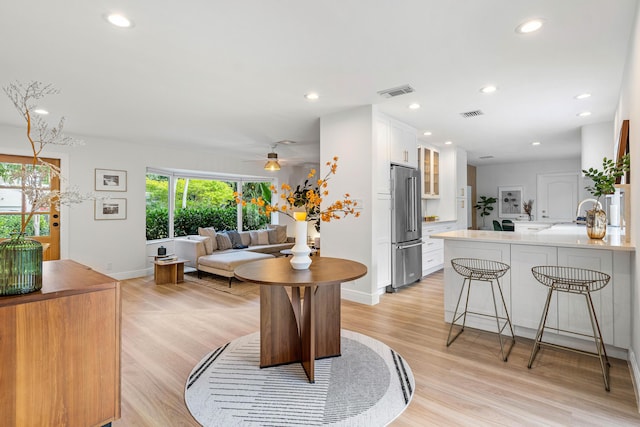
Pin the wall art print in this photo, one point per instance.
(509, 202)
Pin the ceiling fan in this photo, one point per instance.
(272, 160)
(272, 157)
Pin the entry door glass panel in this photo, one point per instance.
(15, 206)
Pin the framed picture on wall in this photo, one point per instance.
(111, 209)
(111, 180)
(509, 202)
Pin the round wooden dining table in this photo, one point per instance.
(300, 326)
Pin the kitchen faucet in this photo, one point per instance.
(582, 203)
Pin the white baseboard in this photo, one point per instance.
(635, 375)
(360, 297)
(124, 275)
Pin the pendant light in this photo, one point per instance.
(272, 160)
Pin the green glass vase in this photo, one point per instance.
(20, 265)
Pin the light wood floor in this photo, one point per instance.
(167, 329)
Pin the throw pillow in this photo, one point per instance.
(254, 238)
(273, 236)
(236, 240)
(263, 237)
(223, 240)
(246, 237)
(206, 240)
(281, 233)
(211, 233)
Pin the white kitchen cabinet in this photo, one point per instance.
(402, 144)
(529, 294)
(430, 172)
(382, 162)
(572, 309)
(433, 249)
(382, 221)
(530, 226)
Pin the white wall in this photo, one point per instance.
(349, 135)
(596, 143)
(490, 177)
(629, 108)
(118, 247)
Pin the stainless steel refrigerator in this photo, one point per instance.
(406, 227)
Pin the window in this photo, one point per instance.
(14, 206)
(180, 202)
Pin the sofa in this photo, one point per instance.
(220, 253)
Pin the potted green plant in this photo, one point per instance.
(485, 206)
(603, 183)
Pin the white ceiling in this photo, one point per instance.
(232, 74)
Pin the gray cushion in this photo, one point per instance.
(236, 240)
(223, 240)
(277, 233)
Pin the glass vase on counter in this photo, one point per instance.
(596, 223)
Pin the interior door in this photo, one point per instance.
(14, 206)
(557, 197)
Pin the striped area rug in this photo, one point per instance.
(369, 385)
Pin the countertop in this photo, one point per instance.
(561, 235)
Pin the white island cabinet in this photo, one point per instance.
(433, 249)
(525, 296)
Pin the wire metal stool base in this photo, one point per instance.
(483, 271)
(580, 282)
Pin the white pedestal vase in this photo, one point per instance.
(301, 259)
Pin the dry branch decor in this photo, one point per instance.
(21, 258)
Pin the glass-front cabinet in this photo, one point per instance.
(429, 168)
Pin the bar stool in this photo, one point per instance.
(483, 271)
(578, 281)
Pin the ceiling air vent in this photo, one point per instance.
(472, 114)
(396, 91)
(485, 157)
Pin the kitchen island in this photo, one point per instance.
(561, 244)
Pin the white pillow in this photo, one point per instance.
(208, 245)
(211, 233)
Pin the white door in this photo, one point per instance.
(557, 197)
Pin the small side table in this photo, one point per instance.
(168, 272)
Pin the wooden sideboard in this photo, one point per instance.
(60, 350)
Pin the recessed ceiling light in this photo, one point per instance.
(312, 96)
(119, 20)
(583, 96)
(584, 114)
(530, 26)
(427, 133)
(414, 106)
(534, 143)
(448, 143)
(41, 111)
(488, 89)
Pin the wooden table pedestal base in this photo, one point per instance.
(299, 329)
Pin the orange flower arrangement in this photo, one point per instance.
(308, 197)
